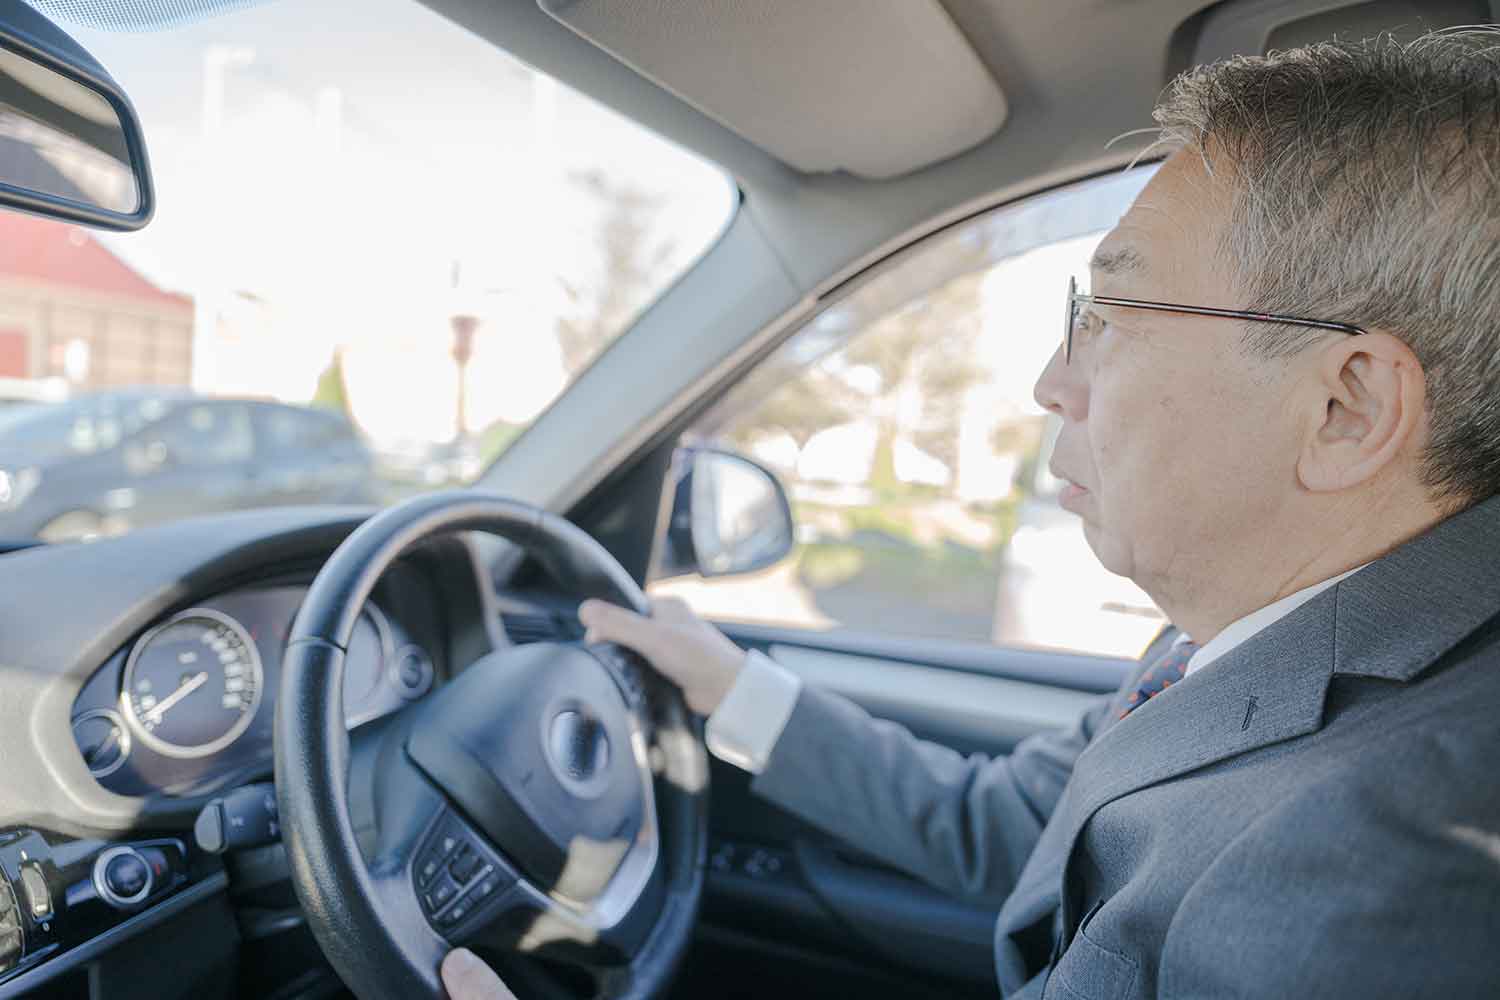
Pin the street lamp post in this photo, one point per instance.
(463, 349)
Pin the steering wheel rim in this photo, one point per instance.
(367, 915)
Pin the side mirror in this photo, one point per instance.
(729, 515)
(70, 144)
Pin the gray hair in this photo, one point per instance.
(1366, 179)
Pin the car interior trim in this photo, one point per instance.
(893, 688)
(870, 105)
(74, 958)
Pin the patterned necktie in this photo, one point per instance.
(1165, 672)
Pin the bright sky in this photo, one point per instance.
(336, 167)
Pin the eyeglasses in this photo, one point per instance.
(1077, 300)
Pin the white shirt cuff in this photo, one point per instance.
(744, 729)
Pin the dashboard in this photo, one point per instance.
(140, 676)
(188, 705)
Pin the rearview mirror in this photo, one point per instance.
(70, 144)
(730, 515)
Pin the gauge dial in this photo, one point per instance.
(103, 739)
(192, 685)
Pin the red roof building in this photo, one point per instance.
(71, 307)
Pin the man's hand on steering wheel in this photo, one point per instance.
(687, 650)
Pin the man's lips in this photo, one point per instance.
(1071, 493)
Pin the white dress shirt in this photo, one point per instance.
(744, 729)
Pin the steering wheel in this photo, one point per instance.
(550, 800)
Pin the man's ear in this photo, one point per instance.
(1373, 396)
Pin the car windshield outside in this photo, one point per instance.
(382, 247)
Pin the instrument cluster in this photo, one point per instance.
(188, 706)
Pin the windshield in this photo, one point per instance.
(382, 219)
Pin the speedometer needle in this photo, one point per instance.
(187, 687)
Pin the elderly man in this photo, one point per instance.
(1281, 419)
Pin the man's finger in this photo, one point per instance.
(607, 623)
(673, 610)
(465, 977)
(593, 612)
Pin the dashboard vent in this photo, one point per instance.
(525, 628)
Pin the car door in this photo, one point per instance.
(934, 581)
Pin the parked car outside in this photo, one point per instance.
(120, 459)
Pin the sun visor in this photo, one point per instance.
(876, 89)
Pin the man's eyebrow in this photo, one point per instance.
(1116, 261)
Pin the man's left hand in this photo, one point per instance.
(466, 977)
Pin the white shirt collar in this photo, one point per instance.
(1237, 632)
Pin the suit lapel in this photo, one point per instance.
(1269, 689)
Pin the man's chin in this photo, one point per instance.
(1098, 544)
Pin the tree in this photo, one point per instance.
(919, 356)
(925, 352)
(626, 273)
(332, 392)
(810, 401)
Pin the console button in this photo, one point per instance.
(34, 888)
(122, 877)
(127, 875)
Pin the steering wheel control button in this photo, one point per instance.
(441, 893)
(122, 877)
(455, 913)
(488, 883)
(465, 863)
(34, 888)
(457, 874)
(444, 842)
(428, 866)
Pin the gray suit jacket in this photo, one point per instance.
(1317, 814)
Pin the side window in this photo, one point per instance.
(290, 430)
(202, 434)
(902, 424)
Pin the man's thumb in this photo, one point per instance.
(465, 977)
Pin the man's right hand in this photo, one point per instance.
(684, 648)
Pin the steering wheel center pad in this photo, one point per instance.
(534, 746)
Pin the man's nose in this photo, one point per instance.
(1061, 390)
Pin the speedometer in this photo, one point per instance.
(192, 684)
